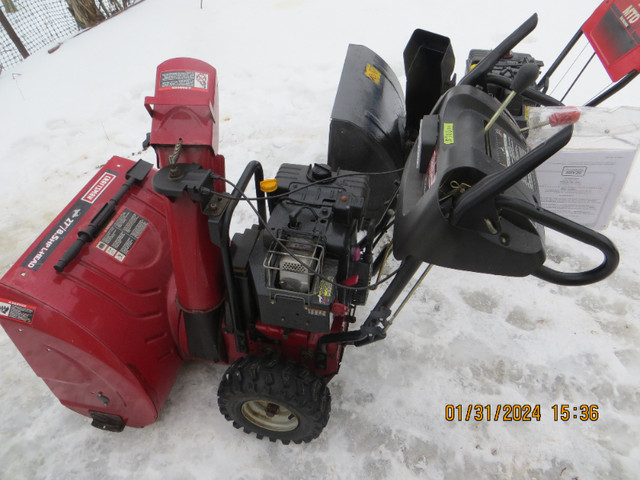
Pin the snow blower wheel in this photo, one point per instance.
(274, 399)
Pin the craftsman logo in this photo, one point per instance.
(100, 186)
(431, 171)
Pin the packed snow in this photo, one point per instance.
(464, 339)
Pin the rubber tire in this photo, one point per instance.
(253, 379)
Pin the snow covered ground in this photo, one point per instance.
(464, 339)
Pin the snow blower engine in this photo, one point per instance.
(138, 274)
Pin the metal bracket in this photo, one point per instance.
(192, 178)
(215, 209)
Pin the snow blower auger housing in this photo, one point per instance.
(138, 274)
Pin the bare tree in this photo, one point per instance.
(9, 6)
(85, 12)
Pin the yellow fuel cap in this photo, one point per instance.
(269, 185)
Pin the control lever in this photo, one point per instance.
(135, 174)
(526, 76)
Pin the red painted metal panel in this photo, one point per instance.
(614, 32)
(185, 104)
(104, 328)
(185, 111)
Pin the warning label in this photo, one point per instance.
(184, 80)
(323, 290)
(16, 311)
(373, 73)
(508, 150)
(123, 234)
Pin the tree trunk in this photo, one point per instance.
(9, 6)
(85, 12)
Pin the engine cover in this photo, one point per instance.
(309, 248)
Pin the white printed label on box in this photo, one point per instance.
(584, 185)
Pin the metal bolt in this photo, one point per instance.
(272, 410)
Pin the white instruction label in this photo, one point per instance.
(584, 185)
(122, 234)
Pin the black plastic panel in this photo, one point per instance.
(367, 123)
(485, 241)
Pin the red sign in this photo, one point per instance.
(613, 31)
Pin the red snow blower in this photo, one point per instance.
(138, 274)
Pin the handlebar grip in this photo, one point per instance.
(70, 253)
(487, 63)
(573, 230)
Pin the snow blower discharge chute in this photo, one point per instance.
(139, 273)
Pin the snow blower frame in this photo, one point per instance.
(106, 310)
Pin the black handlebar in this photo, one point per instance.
(570, 229)
(236, 323)
(488, 194)
(496, 183)
(487, 63)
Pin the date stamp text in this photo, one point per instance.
(513, 412)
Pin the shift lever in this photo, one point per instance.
(525, 77)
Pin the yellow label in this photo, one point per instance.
(323, 288)
(448, 133)
(373, 73)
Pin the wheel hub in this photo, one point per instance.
(270, 415)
